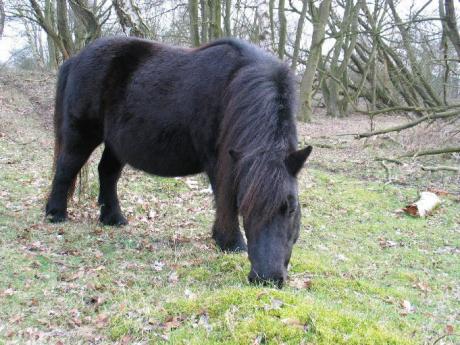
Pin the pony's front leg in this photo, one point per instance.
(226, 231)
(109, 172)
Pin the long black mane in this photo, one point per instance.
(259, 127)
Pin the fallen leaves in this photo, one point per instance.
(173, 277)
(407, 308)
(102, 320)
(300, 283)
(422, 286)
(172, 322)
(8, 292)
(384, 243)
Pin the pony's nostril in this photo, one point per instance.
(276, 279)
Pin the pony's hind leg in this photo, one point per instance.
(71, 158)
(109, 172)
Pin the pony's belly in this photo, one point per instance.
(166, 165)
(157, 154)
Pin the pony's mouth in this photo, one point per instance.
(276, 279)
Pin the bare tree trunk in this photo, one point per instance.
(271, 6)
(283, 29)
(215, 17)
(451, 23)
(298, 35)
(88, 19)
(306, 85)
(228, 17)
(63, 26)
(40, 19)
(50, 19)
(2, 17)
(428, 95)
(128, 23)
(194, 32)
(204, 21)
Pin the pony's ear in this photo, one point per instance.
(236, 155)
(296, 159)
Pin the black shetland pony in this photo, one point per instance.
(226, 108)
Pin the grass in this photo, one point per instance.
(360, 273)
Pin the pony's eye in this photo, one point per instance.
(292, 204)
(289, 206)
(284, 208)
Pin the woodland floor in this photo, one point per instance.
(361, 272)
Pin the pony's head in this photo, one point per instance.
(267, 198)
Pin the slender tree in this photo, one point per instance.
(2, 17)
(194, 26)
(283, 29)
(451, 25)
(319, 17)
(228, 18)
(298, 35)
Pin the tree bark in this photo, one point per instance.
(306, 85)
(194, 32)
(427, 93)
(204, 21)
(63, 26)
(298, 35)
(228, 18)
(57, 39)
(88, 19)
(283, 29)
(451, 23)
(2, 17)
(271, 10)
(50, 19)
(215, 19)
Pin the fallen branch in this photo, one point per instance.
(392, 160)
(431, 152)
(443, 115)
(328, 146)
(441, 168)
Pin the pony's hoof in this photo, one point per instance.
(56, 217)
(238, 248)
(114, 219)
(233, 247)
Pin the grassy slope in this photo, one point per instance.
(162, 279)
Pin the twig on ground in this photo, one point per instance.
(444, 336)
(440, 168)
(442, 115)
(392, 160)
(431, 152)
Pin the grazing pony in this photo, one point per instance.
(226, 109)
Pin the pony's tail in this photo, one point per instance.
(59, 116)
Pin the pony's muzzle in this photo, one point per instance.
(277, 278)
